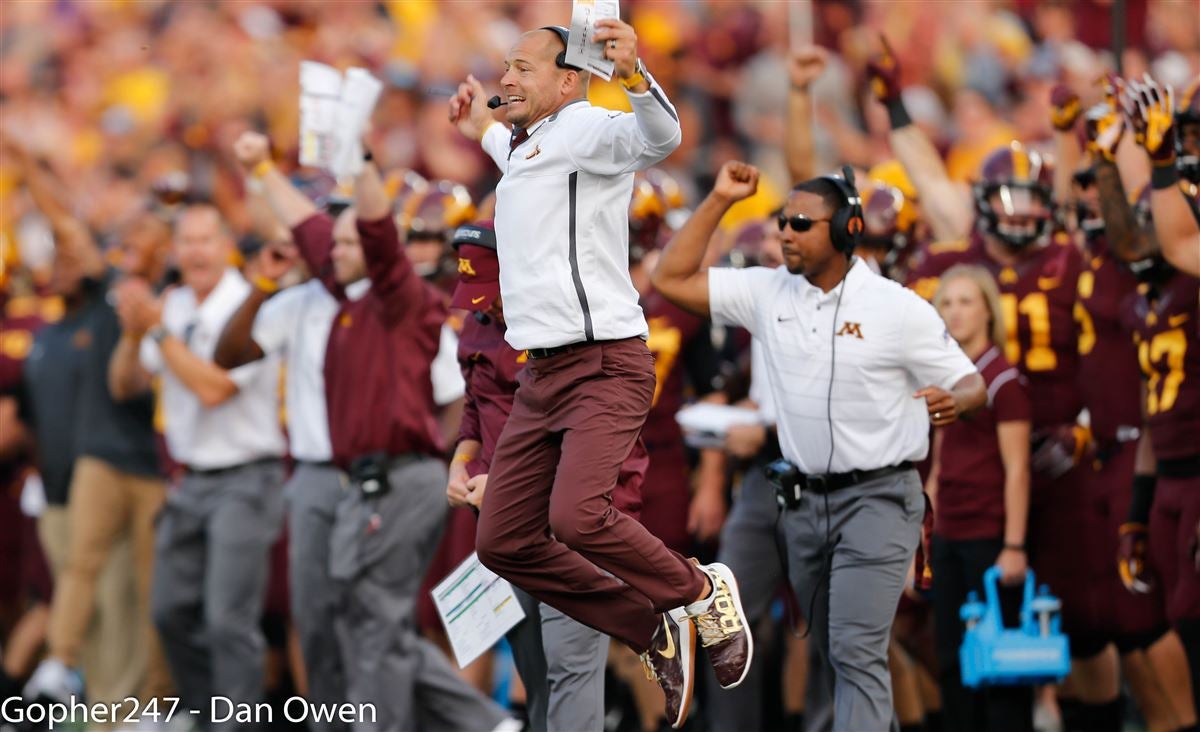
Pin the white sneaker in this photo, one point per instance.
(54, 680)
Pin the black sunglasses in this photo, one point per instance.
(799, 222)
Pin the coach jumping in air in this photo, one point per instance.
(547, 522)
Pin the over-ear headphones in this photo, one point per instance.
(561, 59)
(846, 224)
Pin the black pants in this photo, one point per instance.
(958, 567)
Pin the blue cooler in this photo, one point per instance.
(993, 655)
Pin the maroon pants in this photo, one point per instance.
(1173, 523)
(548, 524)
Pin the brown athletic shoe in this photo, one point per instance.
(671, 661)
(722, 627)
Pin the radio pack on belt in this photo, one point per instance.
(1037, 652)
(787, 481)
(370, 473)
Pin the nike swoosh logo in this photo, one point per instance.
(1176, 320)
(784, 320)
(670, 652)
(477, 300)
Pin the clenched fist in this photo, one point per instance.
(805, 65)
(735, 181)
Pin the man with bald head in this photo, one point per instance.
(547, 522)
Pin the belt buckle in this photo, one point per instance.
(817, 483)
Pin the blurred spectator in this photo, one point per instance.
(107, 474)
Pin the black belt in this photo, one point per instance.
(539, 353)
(1188, 467)
(317, 463)
(823, 483)
(210, 472)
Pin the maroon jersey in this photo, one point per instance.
(1163, 322)
(377, 362)
(684, 358)
(1108, 364)
(489, 367)
(970, 483)
(1038, 297)
(22, 317)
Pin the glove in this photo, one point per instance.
(1105, 123)
(1057, 450)
(1132, 538)
(1131, 559)
(1151, 112)
(883, 72)
(1066, 108)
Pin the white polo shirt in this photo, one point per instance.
(889, 343)
(760, 384)
(562, 219)
(294, 325)
(245, 427)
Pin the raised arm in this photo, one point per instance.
(392, 277)
(1105, 129)
(70, 233)
(312, 229)
(945, 204)
(804, 67)
(678, 275)
(1064, 113)
(617, 143)
(237, 346)
(291, 207)
(1151, 111)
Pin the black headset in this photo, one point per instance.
(846, 224)
(561, 59)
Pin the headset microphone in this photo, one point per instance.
(495, 102)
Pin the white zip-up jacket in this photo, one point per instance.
(562, 219)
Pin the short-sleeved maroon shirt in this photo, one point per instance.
(970, 493)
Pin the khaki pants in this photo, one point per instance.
(111, 527)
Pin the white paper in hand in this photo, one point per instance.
(320, 90)
(360, 91)
(334, 111)
(477, 608)
(582, 51)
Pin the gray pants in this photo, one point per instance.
(749, 547)
(561, 662)
(312, 497)
(381, 548)
(872, 530)
(210, 578)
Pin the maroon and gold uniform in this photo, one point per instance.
(1038, 297)
(27, 572)
(1163, 320)
(1109, 379)
(684, 359)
